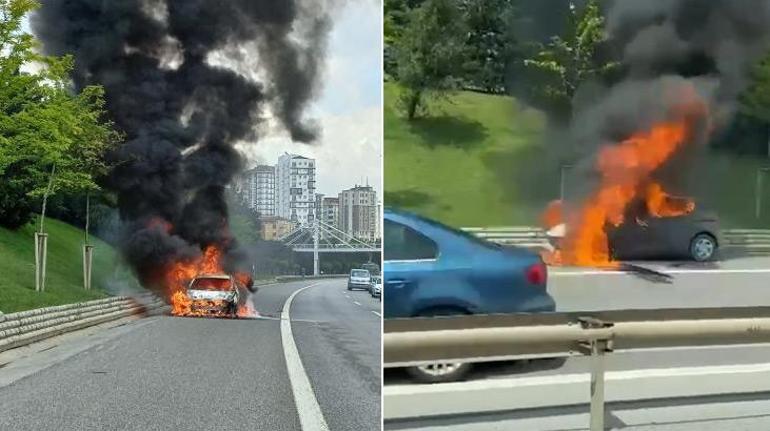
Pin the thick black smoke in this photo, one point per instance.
(667, 49)
(180, 111)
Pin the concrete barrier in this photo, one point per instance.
(25, 327)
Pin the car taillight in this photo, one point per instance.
(537, 273)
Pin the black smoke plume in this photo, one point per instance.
(667, 48)
(181, 110)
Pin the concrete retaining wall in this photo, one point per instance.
(25, 327)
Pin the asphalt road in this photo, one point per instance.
(165, 373)
(733, 282)
(736, 282)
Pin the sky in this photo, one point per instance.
(348, 108)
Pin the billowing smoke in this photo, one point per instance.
(668, 48)
(174, 88)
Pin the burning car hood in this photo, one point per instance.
(211, 295)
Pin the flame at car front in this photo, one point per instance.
(625, 173)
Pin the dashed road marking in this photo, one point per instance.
(356, 302)
(376, 313)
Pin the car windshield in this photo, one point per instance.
(210, 284)
(359, 273)
(376, 280)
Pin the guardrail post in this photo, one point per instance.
(596, 349)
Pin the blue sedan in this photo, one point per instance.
(432, 269)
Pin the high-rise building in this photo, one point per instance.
(330, 212)
(295, 188)
(358, 212)
(263, 187)
(256, 188)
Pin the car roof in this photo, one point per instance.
(217, 276)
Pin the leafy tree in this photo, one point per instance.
(43, 123)
(429, 53)
(491, 43)
(755, 100)
(565, 62)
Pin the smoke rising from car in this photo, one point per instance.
(667, 47)
(164, 92)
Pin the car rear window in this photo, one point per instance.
(210, 284)
(359, 273)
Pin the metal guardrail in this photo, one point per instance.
(26, 327)
(408, 342)
(751, 240)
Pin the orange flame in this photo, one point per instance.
(625, 170)
(661, 204)
(181, 273)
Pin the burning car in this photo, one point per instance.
(210, 295)
(672, 228)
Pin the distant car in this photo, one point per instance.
(695, 236)
(375, 287)
(359, 279)
(214, 295)
(435, 270)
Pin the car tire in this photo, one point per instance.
(703, 247)
(349, 287)
(440, 372)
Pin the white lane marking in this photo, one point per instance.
(356, 302)
(311, 417)
(376, 313)
(672, 271)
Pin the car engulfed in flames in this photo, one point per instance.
(626, 189)
(215, 295)
(201, 287)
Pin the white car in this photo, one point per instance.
(375, 288)
(359, 279)
(213, 295)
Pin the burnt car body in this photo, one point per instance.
(694, 236)
(214, 295)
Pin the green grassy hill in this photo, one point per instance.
(481, 160)
(470, 162)
(65, 268)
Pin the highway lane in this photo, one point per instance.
(190, 373)
(734, 282)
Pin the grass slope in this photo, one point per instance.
(459, 164)
(65, 268)
(481, 160)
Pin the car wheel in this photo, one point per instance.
(702, 247)
(440, 372)
(349, 287)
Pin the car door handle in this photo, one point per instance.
(397, 283)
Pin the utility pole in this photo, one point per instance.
(315, 247)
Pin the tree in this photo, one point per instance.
(491, 43)
(755, 100)
(566, 62)
(429, 53)
(43, 122)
